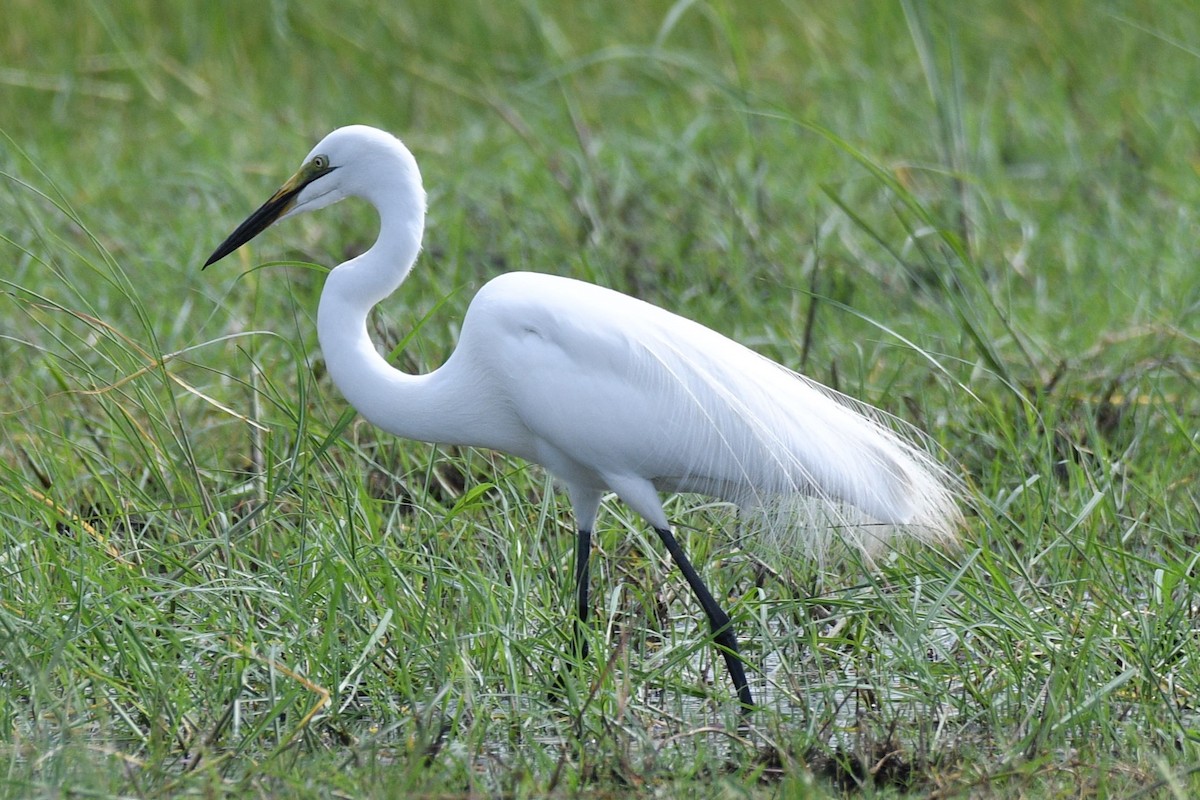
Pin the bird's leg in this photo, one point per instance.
(583, 549)
(579, 643)
(721, 625)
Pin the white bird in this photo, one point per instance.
(605, 391)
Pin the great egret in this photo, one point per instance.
(605, 391)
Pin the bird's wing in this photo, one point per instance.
(625, 389)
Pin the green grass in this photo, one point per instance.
(215, 581)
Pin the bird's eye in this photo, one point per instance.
(321, 162)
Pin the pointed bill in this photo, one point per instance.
(279, 204)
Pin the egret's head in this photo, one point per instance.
(347, 162)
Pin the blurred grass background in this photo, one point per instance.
(981, 217)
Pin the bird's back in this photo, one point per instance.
(610, 389)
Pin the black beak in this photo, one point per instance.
(279, 204)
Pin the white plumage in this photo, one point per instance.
(605, 391)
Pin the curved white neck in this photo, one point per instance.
(406, 405)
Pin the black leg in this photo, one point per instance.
(722, 629)
(579, 644)
(583, 550)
